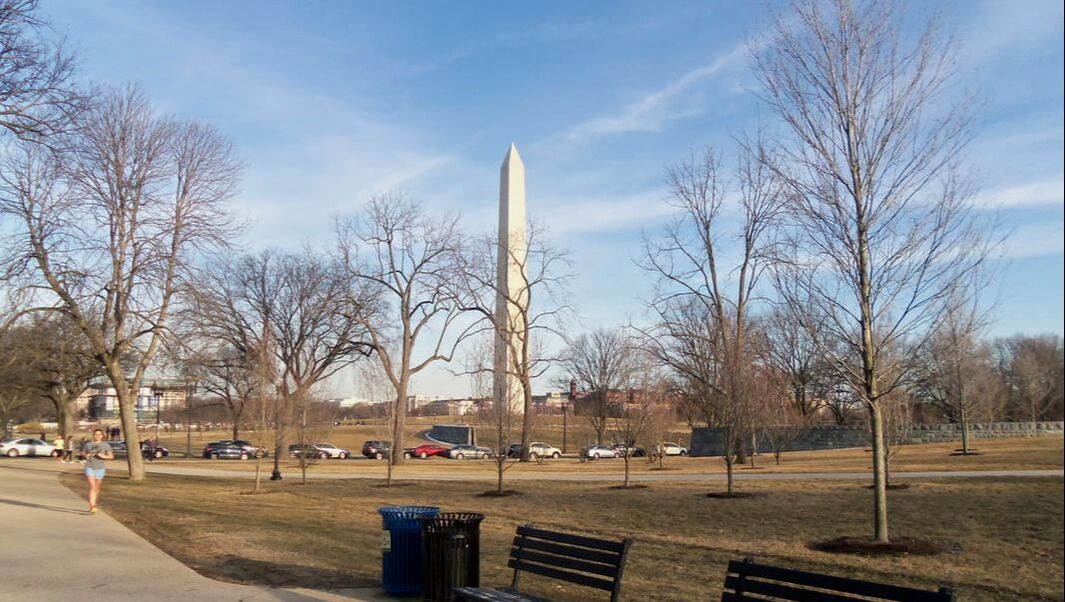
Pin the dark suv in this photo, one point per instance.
(232, 449)
(376, 449)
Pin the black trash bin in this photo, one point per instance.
(401, 548)
(451, 553)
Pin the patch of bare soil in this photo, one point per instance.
(504, 493)
(898, 546)
(735, 495)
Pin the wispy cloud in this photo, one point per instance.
(651, 112)
(1035, 240)
(1043, 192)
(607, 214)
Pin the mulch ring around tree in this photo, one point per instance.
(892, 487)
(392, 485)
(632, 486)
(971, 452)
(736, 495)
(504, 493)
(898, 546)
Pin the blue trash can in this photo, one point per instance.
(401, 548)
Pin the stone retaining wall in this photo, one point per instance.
(711, 442)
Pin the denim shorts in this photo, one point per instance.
(96, 473)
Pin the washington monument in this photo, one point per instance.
(512, 289)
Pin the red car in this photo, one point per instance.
(429, 449)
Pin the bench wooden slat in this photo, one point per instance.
(564, 550)
(576, 540)
(494, 595)
(546, 571)
(564, 562)
(783, 592)
(840, 584)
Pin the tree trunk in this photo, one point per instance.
(128, 416)
(399, 420)
(63, 417)
(964, 430)
(880, 516)
(258, 471)
(626, 456)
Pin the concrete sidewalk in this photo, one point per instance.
(54, 550)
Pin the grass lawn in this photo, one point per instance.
(1007, 533)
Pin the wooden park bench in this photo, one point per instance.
(774, 583)
(587, 561)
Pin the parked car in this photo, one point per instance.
(121, 450)
(671, 449)
(26, 446)
(232, 449)
(321, 450)
(595, 452)
(537, 449)
(376, 449)
(425, 450)
(460, 452)
(630, 450)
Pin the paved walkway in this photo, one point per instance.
(53, 550)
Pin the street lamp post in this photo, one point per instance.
(572, 394)
(158, 394)
(564, 407)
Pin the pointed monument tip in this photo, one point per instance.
(512, 152)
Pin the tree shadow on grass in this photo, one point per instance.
(276, 574)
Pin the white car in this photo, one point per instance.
(672, 449)
(26, 446)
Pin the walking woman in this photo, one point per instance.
(96, 451)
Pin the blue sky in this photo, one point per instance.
(329, 102)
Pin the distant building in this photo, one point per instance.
(449, 407)
(100, 401)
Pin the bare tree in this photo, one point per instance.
(57, 355)
(702, 307)
(649, 393)
(955, 364)
(38, 98)
(294, 306)
(1034, 372)
(410, 262)
(601, 363)
(105, 230)
(882, 229)
(792, 350)
(534, 309)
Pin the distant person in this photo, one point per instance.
(68, 450)
(149, 450)
(59, 443)
(96, 451)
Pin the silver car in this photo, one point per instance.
(460, 452)
(26, 446)
(595, 452)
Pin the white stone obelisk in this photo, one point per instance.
(512, 293)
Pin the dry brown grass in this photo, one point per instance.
(1000, 454)
(326, 534)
